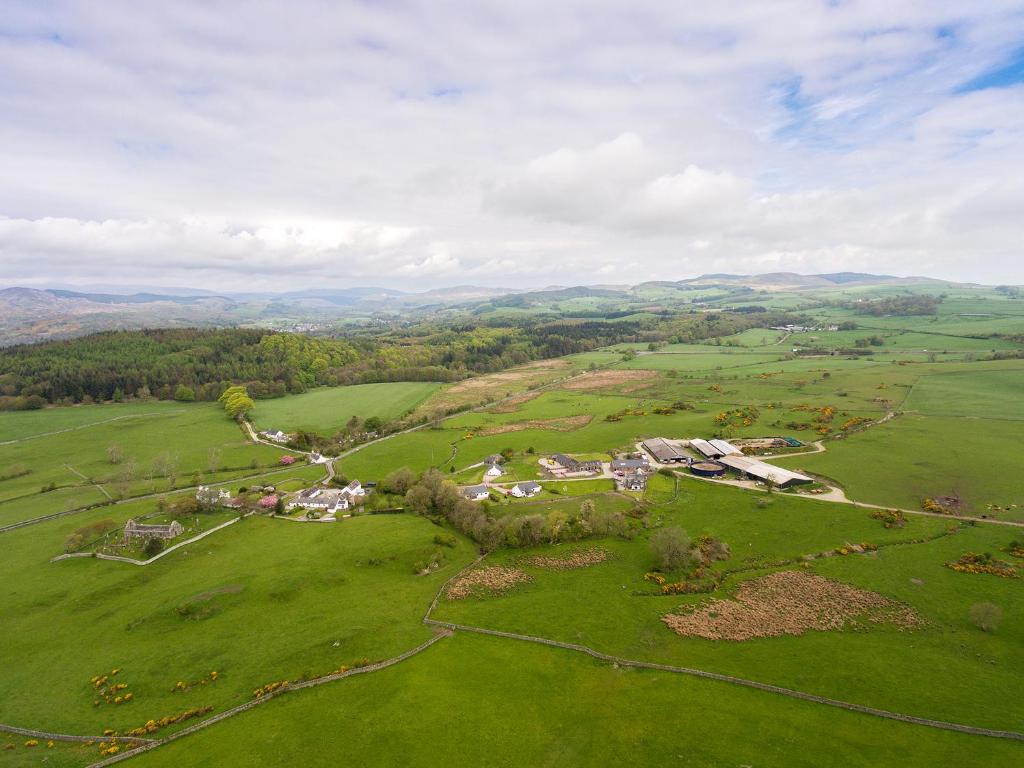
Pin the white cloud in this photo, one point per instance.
(528, 142)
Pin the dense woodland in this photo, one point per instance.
(199, 364)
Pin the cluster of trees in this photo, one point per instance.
(896, 305)
(201, 364)
(187, 364)
(675, 551)
(699, 326)
(436, 497)
(236, 402)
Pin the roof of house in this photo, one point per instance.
(630, 464)
(494, 458)
(529, 486)
(476, 490)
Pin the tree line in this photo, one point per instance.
(200, 364)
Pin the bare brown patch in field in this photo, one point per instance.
(563, 424)
(538, 369)
(512, 404)
(584, 558)
(788, 603)
(604, 379)
(493, 386)
(492, 580)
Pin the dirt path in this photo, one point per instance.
(838, 496)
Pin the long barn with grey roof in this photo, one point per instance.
(663, 451)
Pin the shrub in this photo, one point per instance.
(671, 546)
(153, 547)
(445, 540)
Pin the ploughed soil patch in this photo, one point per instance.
(482, 582)
(562, 424)
(789, 603)
(611, 378)
(526, 373)
(582, 558)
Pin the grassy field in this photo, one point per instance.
(267, 600)
(328, 409)
(503, 703)
(916, 457)
(947, 670)
(261, 600)
(157, 448)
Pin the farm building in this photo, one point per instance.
(759, 470)
(570, 464)
(704, 448)
(329, 500)
(476, 492)
(494, 458)
(620, 466)
(493, 471)
(724, 447)
(316, 458)
(276, 435)
(713, 449)
(134, 530)
(354, 488)
(634, 481)
(663, 451)
(524, 490)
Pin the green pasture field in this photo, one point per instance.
(700, 361)
(41, 504)
(753, 337)
(992, 394)
(195, 441)
(912, 457)
(506, 703)
(947, 670)
(19, 425)
(259, 601)
(328, 409)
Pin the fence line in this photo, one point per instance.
(941, 724)
(272, 695)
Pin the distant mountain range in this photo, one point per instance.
(30, 314)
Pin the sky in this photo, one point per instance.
(262, 146)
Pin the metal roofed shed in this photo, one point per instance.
(725, 448)
(663, 451)
(783, 478)
(705, 448)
